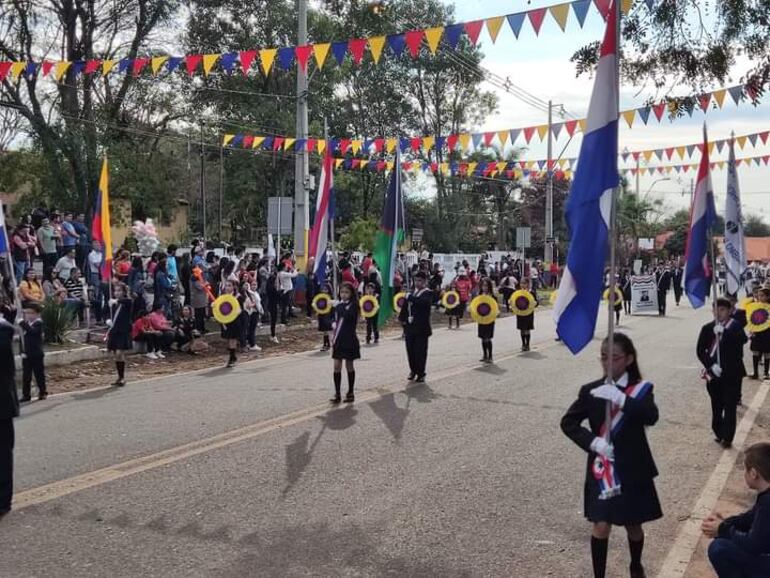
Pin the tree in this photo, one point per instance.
(755, 226)
(636, 218)
(359, 235)
(532, 197)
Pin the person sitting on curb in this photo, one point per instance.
(142, 332)
(160, 323)
(741, 546)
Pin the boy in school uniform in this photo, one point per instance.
(33, 357)
(741, 546)
(9, 408)
(415, 318)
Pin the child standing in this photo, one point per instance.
(232, 331)
(526, 323)
(345, 342)
(32, 360)
(119, 331)
(624, 452)
(463, 286)
(760, 342)
(741, 545)
(486, 332)
(372, 330)
(325, 321)
(252, 306)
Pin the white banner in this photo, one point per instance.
(735, 245)
(644, 295)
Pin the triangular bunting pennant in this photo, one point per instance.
(93, 65)
(451, 142)
(286, 57)
(452, 35)
(736, 92)
(488, 136)
(625, 6)
(542, 131)
(427, 143)
(433, 36)
(124, 65)
(582, 123)
(659, 109)
(514, 132)
(477, 140)
(704, 100)
(139, 64)
(191, 62)
(413, 40)
(278, 143)
(45, 68)
(493, 27)
(515, 21)
(536, 19)
(157, 63)
(227, 61)
(465, 141)
(629, 116)
(580, 7)
(173, 63)
(320, 52)
(107, 66)
(396, 43)
(528, 132)
(690, 150)
(376, 45)
(473, 29)
(741, 140)
(390, 145)
(288, 144)
(320, 146)
(560, 12)
(644, 113)
(247, 141)
(303, 55)
(209, 60)
(763, 136)
(753, 140)
(258, 141)
(339, 50)
(355, 146)
(556, 129)
(227, 138)
(680, 151)
(502, 136)
(603, 6)
(60, 68)
(669, 152)
(720, 145)
(719, 97)
(357, 47)
(246, 57)
(267, 57)
(570, 125)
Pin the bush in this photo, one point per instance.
(57, 321)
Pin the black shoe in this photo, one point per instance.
(638, 572)
(336, 399)
(350, 398)
(420, 379)
(230, 364)
(718, 440)
(727, 445)
(411, 377)
(754, 376)
(42, 396)
(25, 399)
(120, 383)
(5, 511)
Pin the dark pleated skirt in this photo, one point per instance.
(635, 505)
(347, 351)
(525, 322)
(760, 342)
(119, 342)
(486, 331)
(324, 323)
(233, 330)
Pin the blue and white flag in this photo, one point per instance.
(3, 232)
(697, 271)
(735, 244)
(590, 202)
(319, 234)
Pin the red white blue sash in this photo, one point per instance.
(338, 326)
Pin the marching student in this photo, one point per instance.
(232, 331)
(720, 350)
(325, 321)
(415, 319)
(119, 330)
(625, 286)
(463, 285)
(486, 332)
(663, 278)
(623, 460)
(252, 306)
(9, 406)
(371, 322)
(345, 346)
(760, 342)
(32, 360)
(526, 323)
(676, 281)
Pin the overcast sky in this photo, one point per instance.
(541, 65)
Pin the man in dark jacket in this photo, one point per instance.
(415, 318)
(664, 284)
(9, 409)
(720, 351)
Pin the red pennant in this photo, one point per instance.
(357, 47)
(5, 67)
(488, 136)
(381, 166)
(278, 143)
(604, 7)
(192, 61)
(379, 144)
(434, 167)
(559, 175)
(523, 164)
(635, 155)
(669, 152)
(46, 68)
(473, 29)
(712, 166)
(550, 165)
(416, 143)
(413, 40)
(763, 136)
(91, 66)
(489, 168)
(247, 141)
(528, 132)
(765, 159)
(451, 141)
(634, 171)
(247, 57)
(139, 63)
(509, 173)
(303, 55)
(751, 92)
(660, 170)
(659, 109)
(699, 146)
(356, 163)
(536, 18)
(311, 144)
(686, 168)
(704, 100)
(344, 145)
(570, 125)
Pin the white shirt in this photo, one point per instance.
(284, 280)
(63, 267)
(95, 261)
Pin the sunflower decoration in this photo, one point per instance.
(399, 300)
(522, 303)
(484, 309)
(745, 302)
(758, 317)
(226, 309)
(369, 306)
(450, 300)
(322, 304)
(618, 296)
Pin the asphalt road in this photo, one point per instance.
(247, 472)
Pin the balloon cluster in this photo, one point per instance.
(146, 237)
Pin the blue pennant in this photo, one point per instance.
(644, 113)
(124, 64)
(452, 35)
(339, 50)
(396, 43)
(228, 60)
(515, 21)
(286, 57)
(173, 63)
(476, 137)
(580, 7)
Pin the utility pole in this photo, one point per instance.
(221, 181)
(549, 190)
(203, 183)
(302, 165)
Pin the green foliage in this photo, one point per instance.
(57, 321)
(359, 235)
(755, 226)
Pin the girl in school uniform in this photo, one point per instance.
(372, 329)
(345, 346)
(486, 332)
(526, 323)
(232, 331)
(760, 342)
(119, 331)
(464, 286)
(624, 459)
(325, 321)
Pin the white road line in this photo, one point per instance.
(678, 559)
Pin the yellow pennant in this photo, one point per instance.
(60, 68)
(320, 52)
(647, 155)
(267, 56)
(673, 107)
(288, 143)
(465, 141)
(444, 168)
(501, 166)
(503, 136)
(472, 168)
(433, 36)
(560, 12)
(568, 173)
(363, 165)
(493, 27)
(668, 170)
(257, 142)
(712, 144)
(542, 130)
(629, 115)
(355, 146)
(107, 66)
(390, 145)
(720, 164)
(582, 124)
(227, 139)
(156, 63)
(427, 143)
(376, 44)
(209, 60)
(320, 146)
(625, 5)
(389, 165)
(17, 68)
(338, 163)
(719, 96)
(681, 151)
(741, 140)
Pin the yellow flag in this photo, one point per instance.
(647, 155)
(668, 170)
(60, 68)
(227, 139)
(157, 62)
(288, 143)
(17, 68)
(719, 96)
(389, 165)
(560, 12)
(427, 143)
(355, 146)
(625, 5)
(320, 146)
(493, 27)
(582, 124)
(741, 140)
(568, 174)
(376, 44)
(720, 164)
(209, 60)
(390, 144)
(472, 167)
(712, 144)
(257, 142)
(629, 115)
(501, 166)
(320, 52)
(338, 163)
(465, 140)
(503, 136)
(542, 130)
(433, 36)
(267, 56)
(680, 151)
(444, 168)
(107, 66)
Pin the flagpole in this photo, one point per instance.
(331, 219)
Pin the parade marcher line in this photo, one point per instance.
(679, 556)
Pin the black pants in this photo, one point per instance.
(677, 294)
(30, 366)
(272, 308)
(200, 319)
(371, 329)
(6, 463)
(251, 329)
(285, 300)
(724, 407)
(662, 301)
(49, 262)
(417, 352)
